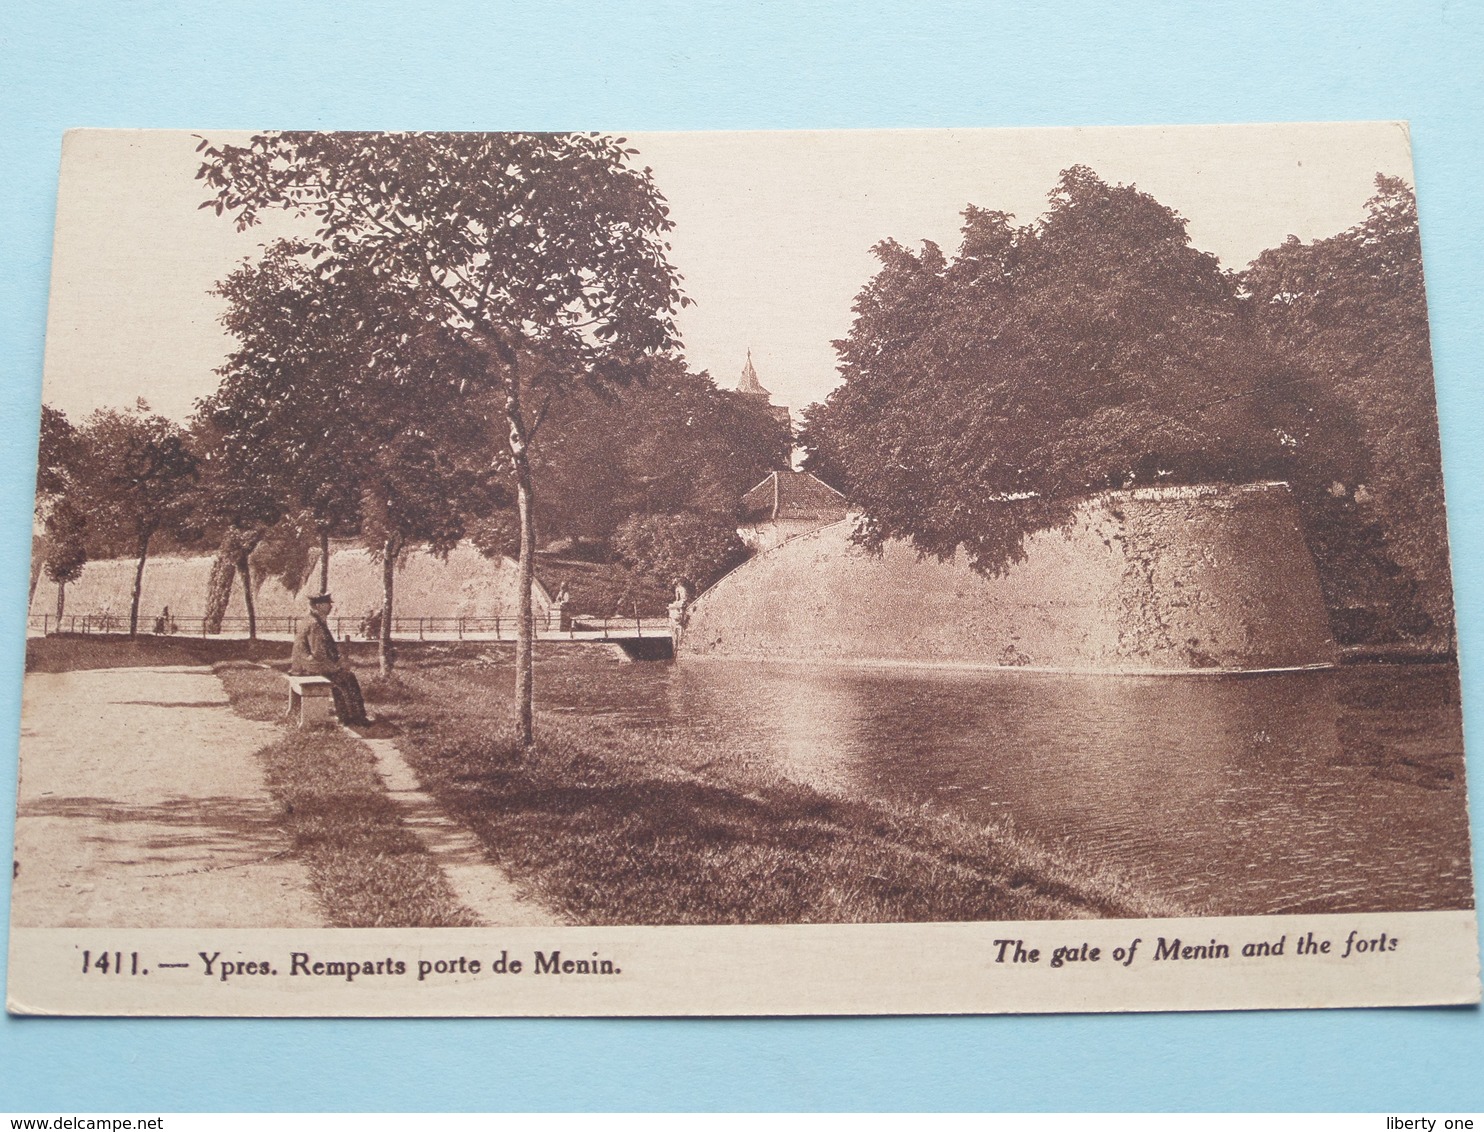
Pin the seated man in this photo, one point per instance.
(317, 654)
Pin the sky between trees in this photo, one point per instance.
(773, 232)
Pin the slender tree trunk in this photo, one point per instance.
(244, 568)
(324, 560)
(61, 603)
(138, 586)
(525, 620)
(219, 583)
(389, 551)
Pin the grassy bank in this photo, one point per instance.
(605, 826)
(367, 870)
(65, 652)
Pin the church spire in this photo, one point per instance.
(749, 386)
(749, 382)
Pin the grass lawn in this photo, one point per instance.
(605, 826)
(366, 868)
(66, 652)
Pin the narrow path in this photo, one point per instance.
(479, 884)
(141, 805)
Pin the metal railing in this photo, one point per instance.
(502, 628)
(106, 622)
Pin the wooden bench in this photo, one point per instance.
(311, 701)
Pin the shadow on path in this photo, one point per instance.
(134, 814)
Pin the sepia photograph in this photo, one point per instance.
(942, 571)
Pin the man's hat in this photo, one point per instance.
(320, 599)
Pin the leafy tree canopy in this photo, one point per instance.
(548, 245)
(61, 548)
(136, 483)
(66, 546)
(138, 478)
(1092, 349)
(280, 422)
(676, 443)
(526, 265)
(689, 548)
(58, 456)
(345, 413)
(1351, 309)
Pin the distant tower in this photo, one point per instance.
(750, 386)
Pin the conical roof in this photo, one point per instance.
(749, 383)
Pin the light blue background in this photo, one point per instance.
(700, 64)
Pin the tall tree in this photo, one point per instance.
(691, 549)
(62, 547)
(1092, 349)
(137, 484)
(279, 410)
(1352, 309)
(239, 497)
(66, 528)
(318, 416)
(59, 454)
(426, 473)
(541, 255)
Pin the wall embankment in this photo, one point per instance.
(466, 584)
(1206, 578)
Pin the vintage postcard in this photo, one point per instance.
(955, 571)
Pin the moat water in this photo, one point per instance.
(1297, 792)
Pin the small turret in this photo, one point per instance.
(750, 386)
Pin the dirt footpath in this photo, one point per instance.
(480, 885)
(141, 805)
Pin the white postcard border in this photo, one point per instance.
(1372, 959)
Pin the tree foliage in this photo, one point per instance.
(1352, 310)
(238, 498)
(531, 264)
(673, 444)
(687, 548)
(66, 548)
(544, 250)
(318, 421)
(279, 415)
(61, 547)
(136, 482)
(266, 435)
(59, 455)
(1094, 348)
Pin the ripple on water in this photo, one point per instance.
(1295, 792)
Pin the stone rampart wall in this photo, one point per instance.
(1180, 579)
(466, 585)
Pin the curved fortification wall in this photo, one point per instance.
(466, 585)
(1204, 578)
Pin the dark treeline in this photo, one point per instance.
(643, 488)
(1096, 348)
(119, 486)
(651, 482)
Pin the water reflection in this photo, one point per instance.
(1331, 791)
